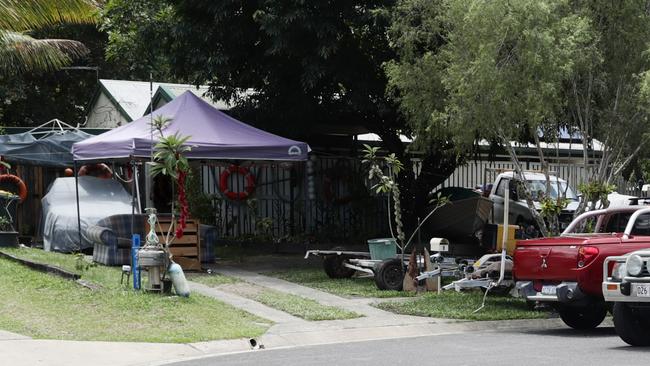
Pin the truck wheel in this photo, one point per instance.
(583, 317)
(334, 265)
(631, 325)
(389, 275)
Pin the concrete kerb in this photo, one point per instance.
(351, 335)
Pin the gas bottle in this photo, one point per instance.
(181, 287)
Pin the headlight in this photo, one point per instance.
(618, 272)
(634, 265)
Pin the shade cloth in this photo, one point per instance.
(213, 135)
(52, 150)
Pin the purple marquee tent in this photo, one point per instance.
(214, 135)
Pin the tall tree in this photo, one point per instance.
(493, 70)
(139, 32)
(607, 98)
(20, 52)
(312, 66)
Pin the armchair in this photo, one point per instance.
(111, 238)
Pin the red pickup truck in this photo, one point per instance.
(567, 271)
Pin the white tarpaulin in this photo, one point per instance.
(98, 198)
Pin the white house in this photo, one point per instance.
(117, 102)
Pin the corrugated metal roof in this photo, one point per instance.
(177, 89)
(134, 98)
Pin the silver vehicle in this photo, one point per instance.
(626, 283)
(519, 213)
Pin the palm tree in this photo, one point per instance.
(20, 52)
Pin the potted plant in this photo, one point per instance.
(8, 235)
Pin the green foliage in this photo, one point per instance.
(138, 31)
(81, 264)
(505, 64)
(386, 183)
(202, 205)
(20, 52)
(168, 158)
(5, 223)
(414, 77)
(596, 191)
(552, 207)
(314, 60)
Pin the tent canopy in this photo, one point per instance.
(52, 150)
(213, 135)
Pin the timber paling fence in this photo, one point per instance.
(340, 207)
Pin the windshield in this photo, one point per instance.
(538, 189)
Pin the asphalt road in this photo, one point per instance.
(544, 347)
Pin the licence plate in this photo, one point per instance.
(550, 290)
(642, 290)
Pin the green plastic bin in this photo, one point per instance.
(383, 248)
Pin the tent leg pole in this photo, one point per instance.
(133, 195)
(76, 186)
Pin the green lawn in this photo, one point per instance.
(454, 305)
(212, 279)
(301, 307)
(449, 304)
(48, 307)
(295, 305)
(345, 287)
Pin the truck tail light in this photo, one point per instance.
(586, 255)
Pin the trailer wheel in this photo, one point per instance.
(334, 265)
(389, 275)
(632, 325)
(583, 317)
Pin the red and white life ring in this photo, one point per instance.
(249, 186)
(96, 170)
(18, 183)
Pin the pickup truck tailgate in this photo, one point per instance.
(547, 260)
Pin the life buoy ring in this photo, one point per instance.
(17, 183)
(249, 187)
(338, 185)
(96, 170)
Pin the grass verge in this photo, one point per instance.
(345, 287)
(455, 305)
(301, 307)
(212, 280)
(48, 307)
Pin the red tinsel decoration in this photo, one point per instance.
(182, 199)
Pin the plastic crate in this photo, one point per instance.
(383, 248)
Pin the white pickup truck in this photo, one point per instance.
(519, 213)
(626, 283)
